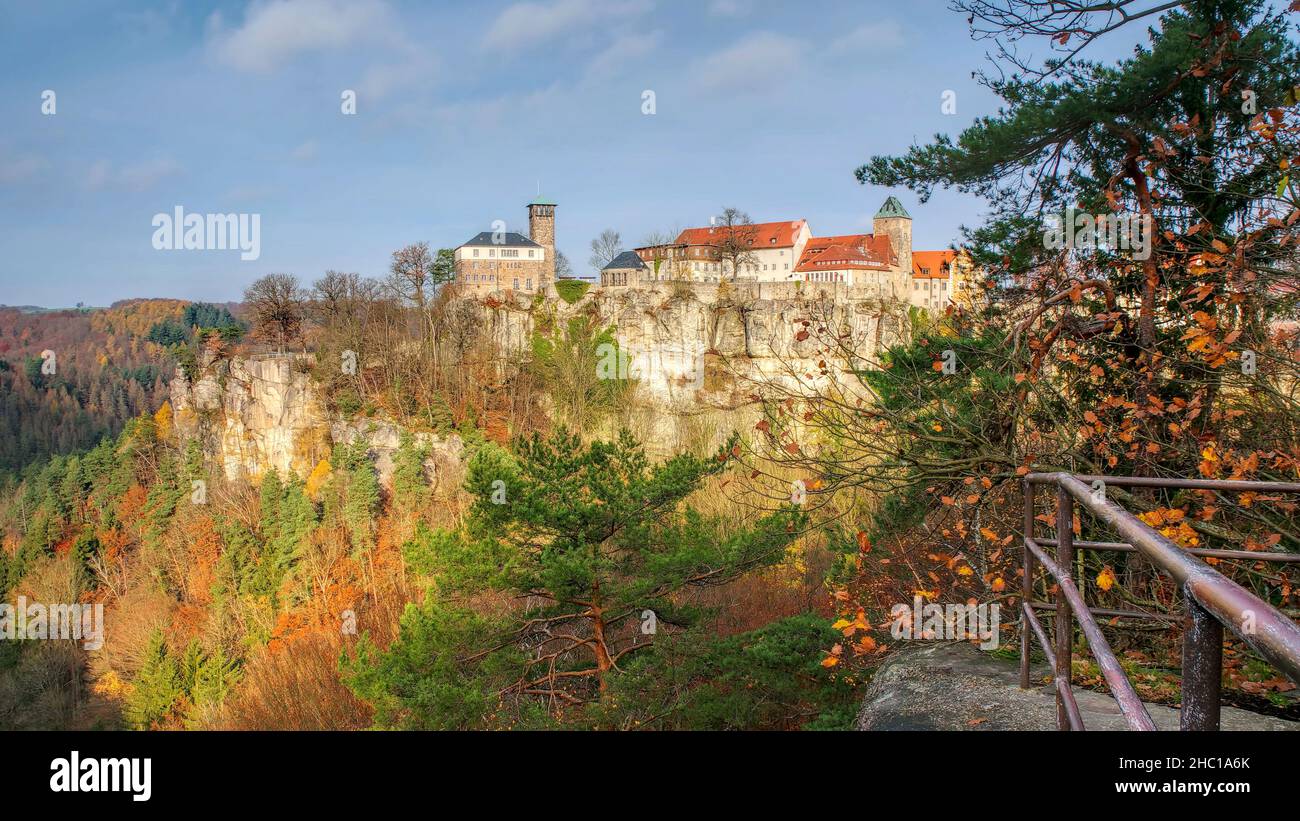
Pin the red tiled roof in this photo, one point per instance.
(862, 251)
(764, 234)
(932, 264)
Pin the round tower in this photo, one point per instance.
(893, 221)
(541, 230)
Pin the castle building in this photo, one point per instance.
(625, 269)
(880, 264)
(941, 278)
(507, 261)
(771, 250)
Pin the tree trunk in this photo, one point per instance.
(603, 661)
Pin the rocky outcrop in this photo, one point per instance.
(253, 414)
(695, 345)
(264, 412)
(955, 686)
(382, 439)
(699, 352)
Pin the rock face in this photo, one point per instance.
(254, 414)
(382, 439)
(264, 412)
(698, 352)
(711, 344)
(955, 686)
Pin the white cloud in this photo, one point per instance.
(528, 24)
(728, 8)
(752, 64)
(148, 24)
(884, 36)
(380, 80)
(305, 152)
(624, 49)
(16, 169)
(275, 31)
(139, 177)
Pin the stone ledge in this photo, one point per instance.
(955, 686)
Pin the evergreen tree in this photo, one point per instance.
(595, 532)
(409, 483)
(157, 687)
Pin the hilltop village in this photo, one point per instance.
(881, 264)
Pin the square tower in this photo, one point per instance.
(893, 221)
(541, 230)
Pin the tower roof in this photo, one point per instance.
(892, 208)
(541, 201)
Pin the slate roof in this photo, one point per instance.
(625, 260)
(510, 240)
(893, 208)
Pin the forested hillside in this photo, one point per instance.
(569, 572)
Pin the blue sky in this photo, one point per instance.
(463, 109)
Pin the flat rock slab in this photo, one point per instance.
(955, 686)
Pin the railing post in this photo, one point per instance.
(1202, 668)
(1026, 585)
(1064, 621)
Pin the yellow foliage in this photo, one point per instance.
(163, 420)
(319, 476)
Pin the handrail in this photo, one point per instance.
(1213, 600)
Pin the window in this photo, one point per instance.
(516, 286)
(530, 284)
(510, 252)
(492, 252)
(530, 253)
(475, 252)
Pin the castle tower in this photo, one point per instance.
(893, 221)
(541, 230)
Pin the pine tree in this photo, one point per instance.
(594, 531)
(156, 688)
(409, 483)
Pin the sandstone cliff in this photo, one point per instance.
(264, 412)
(701, 351)
(699, 354)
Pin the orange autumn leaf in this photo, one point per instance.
(1106, 578)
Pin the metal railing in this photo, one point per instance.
(1213, 601)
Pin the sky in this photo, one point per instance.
(464, 111)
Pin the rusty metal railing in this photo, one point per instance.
(1213, 601)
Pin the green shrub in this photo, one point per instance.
(571, 290)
